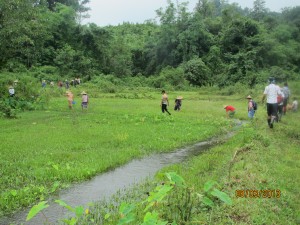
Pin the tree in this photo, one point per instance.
(197, 73)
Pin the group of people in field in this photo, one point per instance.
(277, 100)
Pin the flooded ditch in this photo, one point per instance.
(105, 185)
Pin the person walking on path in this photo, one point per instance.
(85, 100)
(286, 92)
(70, 98)
(230, 111)
(251, 110)
(164, 102)
(271, 92)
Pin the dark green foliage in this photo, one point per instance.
(26, 94)
(234, 44)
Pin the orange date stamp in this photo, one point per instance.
(257, 193)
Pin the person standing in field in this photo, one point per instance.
(280, 99)
(295, 105)
(251, 110)
(70, 98)
(178, 102)
(85, 100)
(271, 92)
(286, 92)
(164, 102)
(11, 91)
(230, 111)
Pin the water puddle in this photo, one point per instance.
(106, 184)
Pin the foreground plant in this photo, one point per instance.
(171, 202)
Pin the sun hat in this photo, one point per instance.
(83, 93)
(179, 97)
(249, 97)
(225, 106)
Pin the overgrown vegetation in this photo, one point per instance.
(216, 44)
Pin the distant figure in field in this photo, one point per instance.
(271, 92)
(280, 99)
(85, 100)
(178, 103)
(286, 92)
(44, 83)
(11, 91)
(251, 110)
(230, 111)
(295, 105)
(60, 84)
(67, 84)
(70, 98)
(164, 102)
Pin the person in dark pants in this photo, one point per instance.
(271, 92)
(178, 103)
(164, 102)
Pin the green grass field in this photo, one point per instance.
(43, 151)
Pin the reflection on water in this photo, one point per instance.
(107, 184)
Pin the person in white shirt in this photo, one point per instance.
(11, 91)
(295, 105)
(271, 92)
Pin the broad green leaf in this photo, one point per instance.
(207, 201)
(79, 211)
(36, 209)
(107, 215)
(126, 208)
(222, 196)
(152, 218)
(208, 185)
(13, 193)
(63, 204)
(175, 179)
(71, 221)
(127, 219)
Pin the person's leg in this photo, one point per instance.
(167, 110)
(251, 114)
(269, 113)
(280, 112)
(285, 101)
(274, 109)
(163, 107)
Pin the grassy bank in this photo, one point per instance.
(43, 151)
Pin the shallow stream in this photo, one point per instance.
(105, 185)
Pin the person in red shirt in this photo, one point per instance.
(230, 111)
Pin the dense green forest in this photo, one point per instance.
(216, 44)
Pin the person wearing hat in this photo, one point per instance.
(230, 111)
(251, 110)
(11, 91)
(178, 103)
(85, 100)
(271, 92)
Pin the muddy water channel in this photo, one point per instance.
(106, 184)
